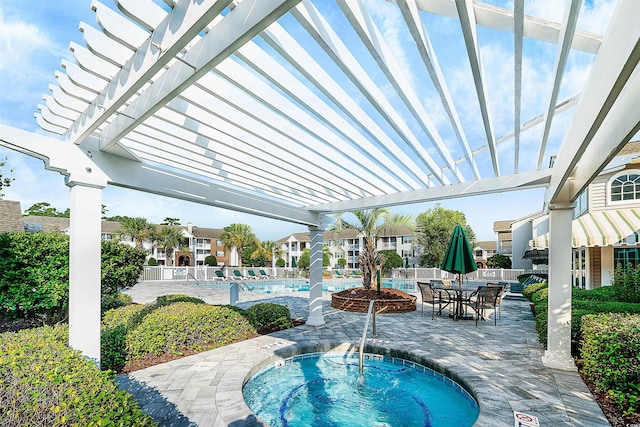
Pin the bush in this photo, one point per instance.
(280, 262)
(111, 301)
(611, 357)
(152, 262)
(121, 266)
(183, 326)
(269, 315)
(541, 296)
(210, 260)
(626, 283)
(116, 324)
(528, 291)
(35, 276)
(44, 383)
(170, 299)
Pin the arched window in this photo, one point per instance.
(626, 187)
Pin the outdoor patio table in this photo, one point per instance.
(458, 294)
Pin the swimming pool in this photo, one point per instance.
(283, 286)
(325, 389)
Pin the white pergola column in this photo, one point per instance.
(558, 353)
(315, 277)
(84, 268)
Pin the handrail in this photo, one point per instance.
(194, 277)
(364, 335)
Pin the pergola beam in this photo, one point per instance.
(615, 64)
(521, 181)
(468, 24)
(572, 9)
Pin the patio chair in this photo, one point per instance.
(433, 296)
(252, 275)
(338, 274)
(238, 275)
(264, 275)
(503, 289)
(484, 298)
(220, 275)
(354, 273)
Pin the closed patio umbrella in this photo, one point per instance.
(459, 260)
(459, 257)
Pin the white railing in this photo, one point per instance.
(207, 273)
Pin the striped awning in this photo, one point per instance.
(601, 228)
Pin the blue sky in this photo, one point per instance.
(35, 35)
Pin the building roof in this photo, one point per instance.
(487, 245)
(10, 216)
(49, 224)
(504, 225)
(206, 233)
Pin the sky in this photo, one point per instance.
(35, 36)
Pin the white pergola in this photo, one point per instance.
(296, 110)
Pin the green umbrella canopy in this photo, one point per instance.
(459, 257)
(293, 263)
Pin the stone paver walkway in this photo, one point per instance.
(501, 365)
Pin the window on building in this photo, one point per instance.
(479, 253)
(219, 243)
(627, 257)
(581, 205)
(407, 239)
(219, 253)
(625, 187)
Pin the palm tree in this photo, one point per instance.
(270, 250)
(171, 238)
(138, 229)
(370, 223)
(238, 236)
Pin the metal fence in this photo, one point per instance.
(207, 273)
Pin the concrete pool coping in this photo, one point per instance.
(501, 365)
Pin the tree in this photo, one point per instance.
(238, 236)
(280, 262)
(45, 209)
(5, 181)
(170, 238)
(433, 232)
(499, 261)
(304, 262)
(393, 260)
(341, 262)
(170, 221)
(268, 250)
(370, 223)
(137, 229)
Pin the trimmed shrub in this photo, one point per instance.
(611, 357)
(626, 283)
(605, 293)
(540, 296)
(44, 383)
(163, 300)
(111, 301)
(115, 326)
(269, 315)
(280, 262)
(528, 291)
(152, 262)
(211, 260)
(182, 326)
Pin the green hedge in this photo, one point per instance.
(268, 315)
(182, 326)
(528, 291)
(610, 351)
(44, 383)
(170, 299)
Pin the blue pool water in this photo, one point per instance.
(300, 285)
(324, 389)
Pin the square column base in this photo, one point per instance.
(555, 361)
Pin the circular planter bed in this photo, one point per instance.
(389, 300)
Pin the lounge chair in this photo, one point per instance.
(264, 275)
(355, 273)
(338, 275)
(238, 275)
(252, 274)
(433, 296)
(220, 275)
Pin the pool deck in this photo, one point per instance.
(501, 365)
